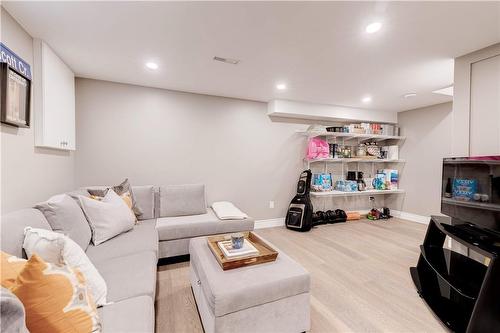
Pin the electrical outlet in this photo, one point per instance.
(271, 204)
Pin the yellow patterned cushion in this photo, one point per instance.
(10, 268)
(56, 298)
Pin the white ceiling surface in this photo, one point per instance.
(320, 50)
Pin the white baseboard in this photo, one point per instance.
(411, 217)
(270, 223)
(280, 221)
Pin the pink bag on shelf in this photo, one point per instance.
(317, 148)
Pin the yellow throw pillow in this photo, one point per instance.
(56, 298)
(10, 268)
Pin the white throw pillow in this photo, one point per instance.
(108, 217)
(56, 248)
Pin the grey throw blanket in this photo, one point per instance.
(12, 313)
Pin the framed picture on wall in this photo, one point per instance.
(15, 97)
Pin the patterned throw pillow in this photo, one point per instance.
(56, 248)
(124, 190)
(55, 298)
(10, 268)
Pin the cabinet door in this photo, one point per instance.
(485, 107)
(56, 94)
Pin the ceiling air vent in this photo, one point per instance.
(227, 60)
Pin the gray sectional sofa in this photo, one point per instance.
(128, 262)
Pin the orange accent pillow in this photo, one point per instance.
(10, 268)
(55, 298)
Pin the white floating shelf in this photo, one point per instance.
(355, 160)
(335, 193)
(359, 136)
(473, 204)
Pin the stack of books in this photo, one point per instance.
(247, 250)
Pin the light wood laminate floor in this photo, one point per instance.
(360, 280)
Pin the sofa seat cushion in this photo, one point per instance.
(133, 315)
(234, 290)
(143, 237)
(129, 276)
(178, 227)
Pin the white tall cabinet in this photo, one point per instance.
(54, 100)
(476, 103)
(485, 107)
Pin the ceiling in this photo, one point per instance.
(319, 50)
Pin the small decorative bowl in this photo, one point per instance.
(237, 240)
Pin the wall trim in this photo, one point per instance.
(270, 223)
(411, 217)
(280, 221)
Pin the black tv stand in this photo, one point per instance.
(463, 293)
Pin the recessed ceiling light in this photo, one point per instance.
(445, 91)
(373, 27)
(152, 65)
(366, 99)
(281, 86)
(409, 95)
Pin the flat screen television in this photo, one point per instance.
(471, 190)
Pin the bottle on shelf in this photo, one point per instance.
(447, 191)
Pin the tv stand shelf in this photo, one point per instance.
(447, 264)
(462, 292)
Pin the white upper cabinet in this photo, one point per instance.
(485, 107)
(54, 100)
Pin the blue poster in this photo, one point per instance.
(14, 61)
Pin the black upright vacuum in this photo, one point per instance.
(300, 211)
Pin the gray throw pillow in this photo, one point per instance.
(120, 189)
(12, 313)
(65, 216)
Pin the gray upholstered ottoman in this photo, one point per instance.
(270, 297)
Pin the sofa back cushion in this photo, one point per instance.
(145, 198)
(65, 216)
(181, 200)
(12, 226)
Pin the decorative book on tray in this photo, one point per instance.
(229, 252)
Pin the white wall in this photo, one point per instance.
(28, 174)
(160, 137)
(428, 141)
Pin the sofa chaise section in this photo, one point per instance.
(175, 232)
(183, 215)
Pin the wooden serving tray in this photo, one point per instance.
(266, 252)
